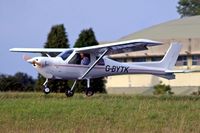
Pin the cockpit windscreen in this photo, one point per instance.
(64, 55)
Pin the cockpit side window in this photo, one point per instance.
(100, 62)
(66, 54)
(76, 59)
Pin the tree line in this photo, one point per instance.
(18, 82)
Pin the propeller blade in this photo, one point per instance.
(26, 57)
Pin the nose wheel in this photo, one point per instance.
(46, 89)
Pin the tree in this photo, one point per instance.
(87, 38)
(188, 7)
(57, 38)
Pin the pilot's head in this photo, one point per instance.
(82, 55)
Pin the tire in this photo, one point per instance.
(46, 90)
(69, 93)
(89, 92)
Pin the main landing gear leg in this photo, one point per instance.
(46, 90)
(70, 93)
(89, 91)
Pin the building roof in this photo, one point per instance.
(185, 31)
(188, 27)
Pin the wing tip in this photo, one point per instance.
(15, 50)
(12, 50)
(145, 41)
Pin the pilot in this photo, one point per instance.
(84, 59)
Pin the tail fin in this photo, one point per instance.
(170, 58)
(167, 63)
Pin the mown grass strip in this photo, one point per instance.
(35, 112)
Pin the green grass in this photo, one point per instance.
(35, 112)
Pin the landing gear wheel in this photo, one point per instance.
(46, 90)
(69, 93)
(89, 92)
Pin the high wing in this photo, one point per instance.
(114, 48)
(38, 50)
(120, 47)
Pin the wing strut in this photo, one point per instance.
(93, 65)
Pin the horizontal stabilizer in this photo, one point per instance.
(181, 71)
(168, 76)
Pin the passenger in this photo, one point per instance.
(84, 59)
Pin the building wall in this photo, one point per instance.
(185, 83)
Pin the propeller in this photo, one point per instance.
(26, 57)
(31, 60)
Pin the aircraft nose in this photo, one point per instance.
(30, 61)
(35, 62)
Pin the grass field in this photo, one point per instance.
(35, 112)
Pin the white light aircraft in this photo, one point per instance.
(67, 65)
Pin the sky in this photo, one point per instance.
(26, 23)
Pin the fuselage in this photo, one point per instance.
(56, 68)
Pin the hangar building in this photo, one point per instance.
(185, 31)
